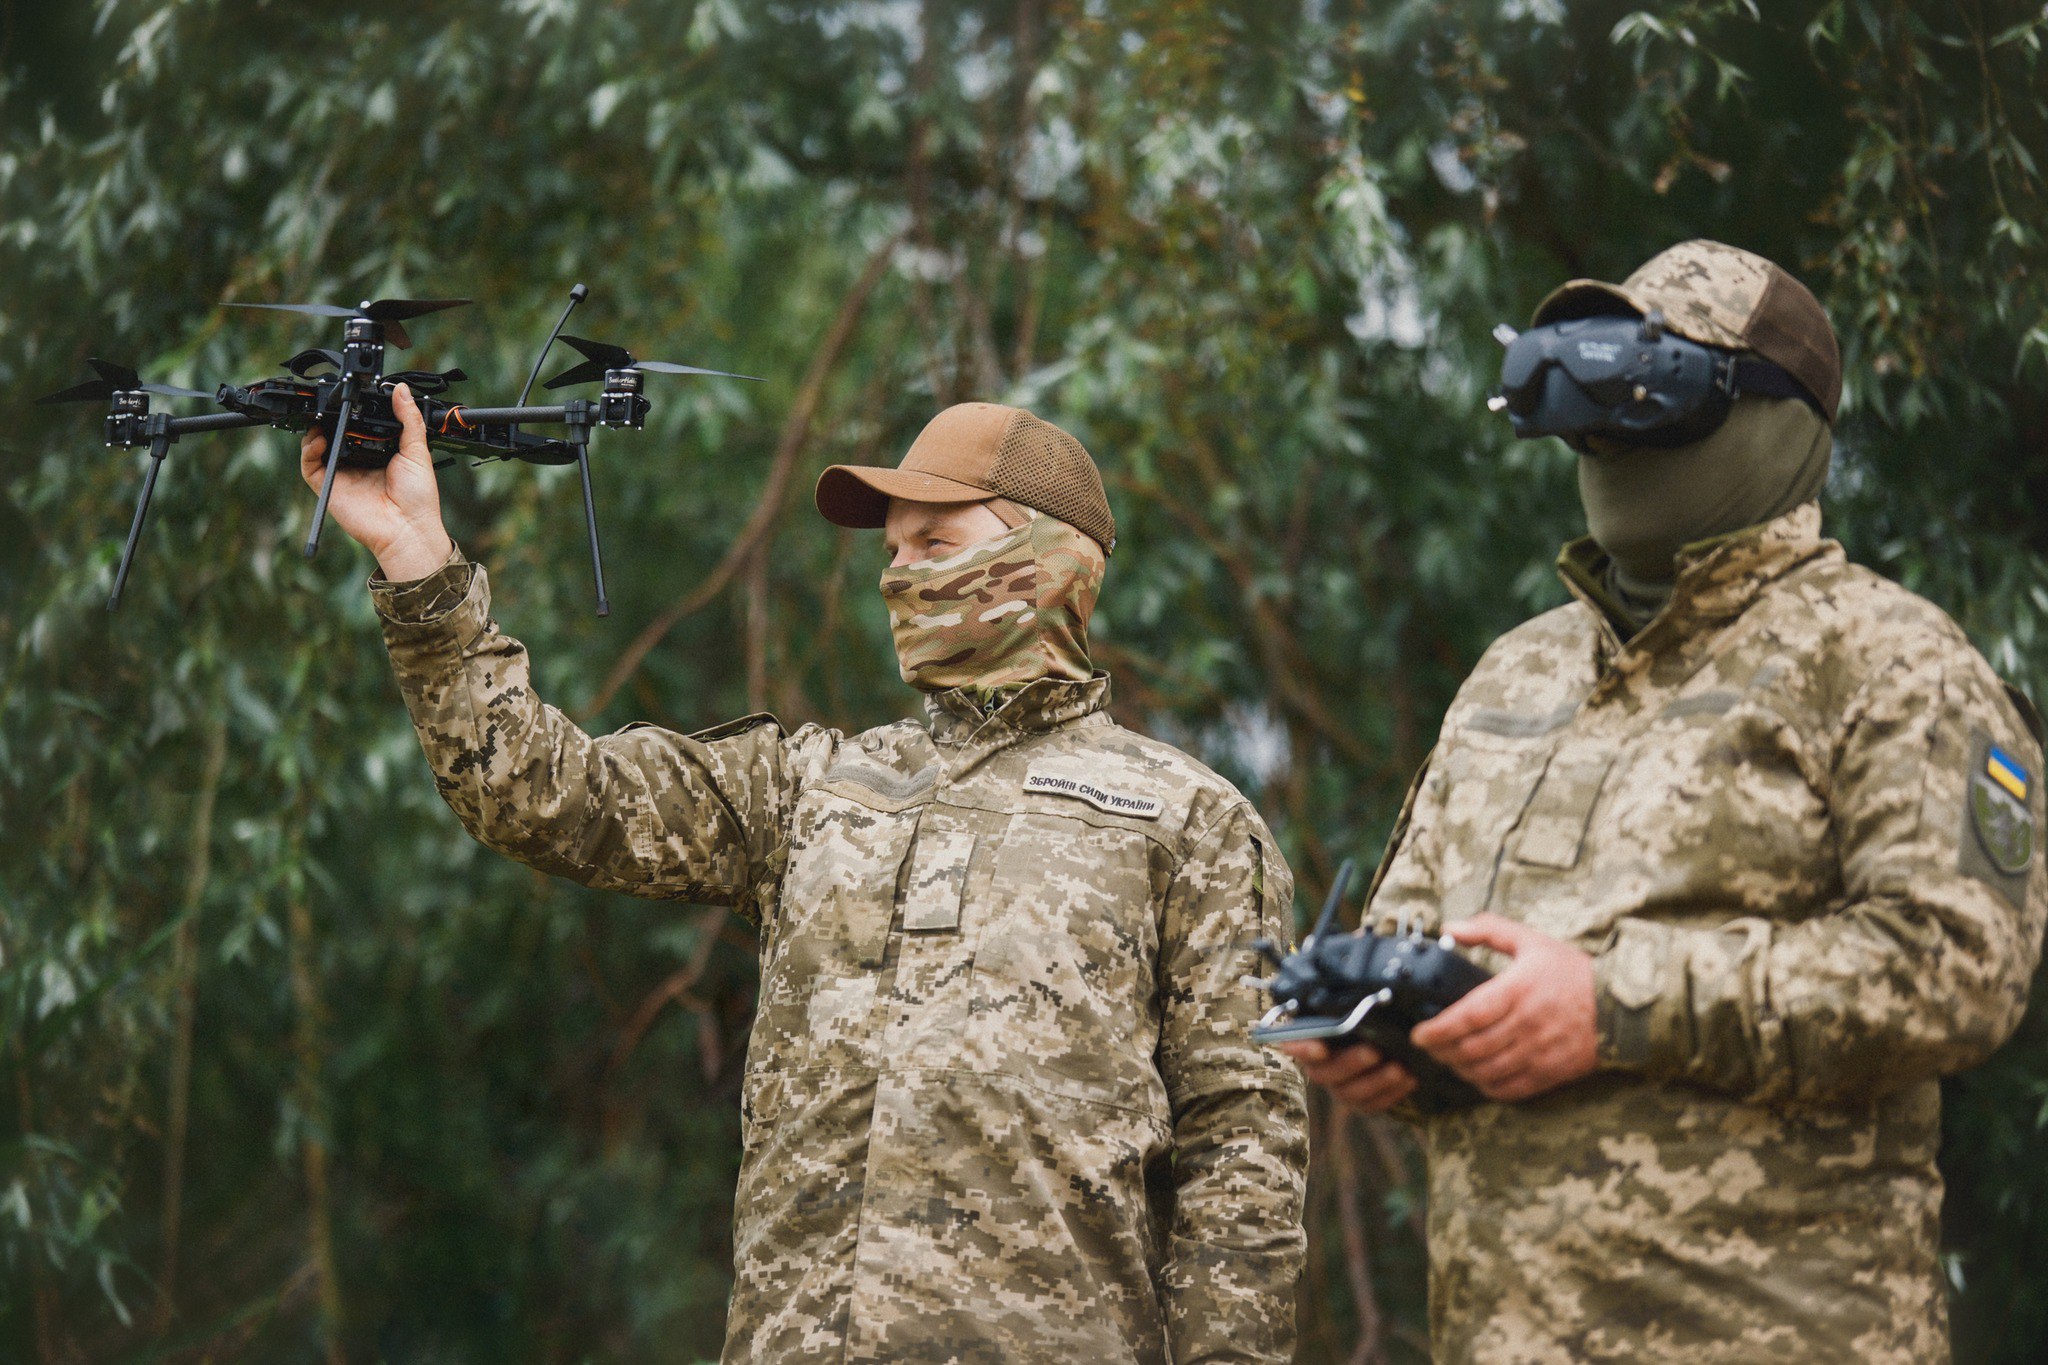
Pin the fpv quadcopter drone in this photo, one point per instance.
(347, 394)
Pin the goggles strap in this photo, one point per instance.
(1759, 378)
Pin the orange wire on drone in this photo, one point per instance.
(453, 414)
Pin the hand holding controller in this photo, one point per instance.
(1370, 988)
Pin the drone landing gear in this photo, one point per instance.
(159, 446)
(161, 430)
(579, 436)
(327, 482)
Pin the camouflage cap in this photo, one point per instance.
(1721, 296)
(975, 451)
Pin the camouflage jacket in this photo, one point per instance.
(1793, 821)
(1000, 1101)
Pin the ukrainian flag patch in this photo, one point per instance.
(2003, 817)
(2001, 768)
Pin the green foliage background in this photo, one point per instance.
(293, 1070)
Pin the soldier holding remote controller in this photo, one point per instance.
(1756, 831)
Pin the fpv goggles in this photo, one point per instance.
(1628, 379)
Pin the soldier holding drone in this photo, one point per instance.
(1002, 1102)
(1002, 1099)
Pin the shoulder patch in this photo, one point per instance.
(2002, 768)
(1053, 782)
(1999, 847)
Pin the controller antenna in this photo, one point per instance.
(1328, 919)
(576, 296)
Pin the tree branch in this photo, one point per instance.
(1284, 666)
(676, 987)
(185, 973)
(1369, 1349)
(796, 430)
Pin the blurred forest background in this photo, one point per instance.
(293, 1070)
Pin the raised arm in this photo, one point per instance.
(642, 811)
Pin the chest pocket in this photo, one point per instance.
(937, 880)
(1487, 781)
(1062, 987)
(839, 896)
(1553, 828)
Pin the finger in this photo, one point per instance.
(1383, 1088)
(1483, 1043)
(1344, 1065)
(1318, 1053)
(313, 456)
(1499, 1069)
(412, 438)
(1492, 931)
(1528, 1083)
(1487, 1004)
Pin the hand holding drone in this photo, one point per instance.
(346, 395)
(393, 512)
(1370, 988)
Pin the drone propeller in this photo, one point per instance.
(115, 379)
(601, 356)
(391, 312)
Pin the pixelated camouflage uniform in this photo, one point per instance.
(1758, 816)
(1000, 1101)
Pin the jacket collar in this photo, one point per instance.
(1717, 580)
(958, 716)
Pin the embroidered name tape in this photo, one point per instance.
(1113, 802)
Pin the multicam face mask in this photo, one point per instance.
(1009, 610)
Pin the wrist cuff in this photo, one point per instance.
(424, 601)
(1628, 985)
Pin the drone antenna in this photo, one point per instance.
(1335, 899)
(576, 296)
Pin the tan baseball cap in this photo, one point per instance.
(971, 452)
(1721, 295)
